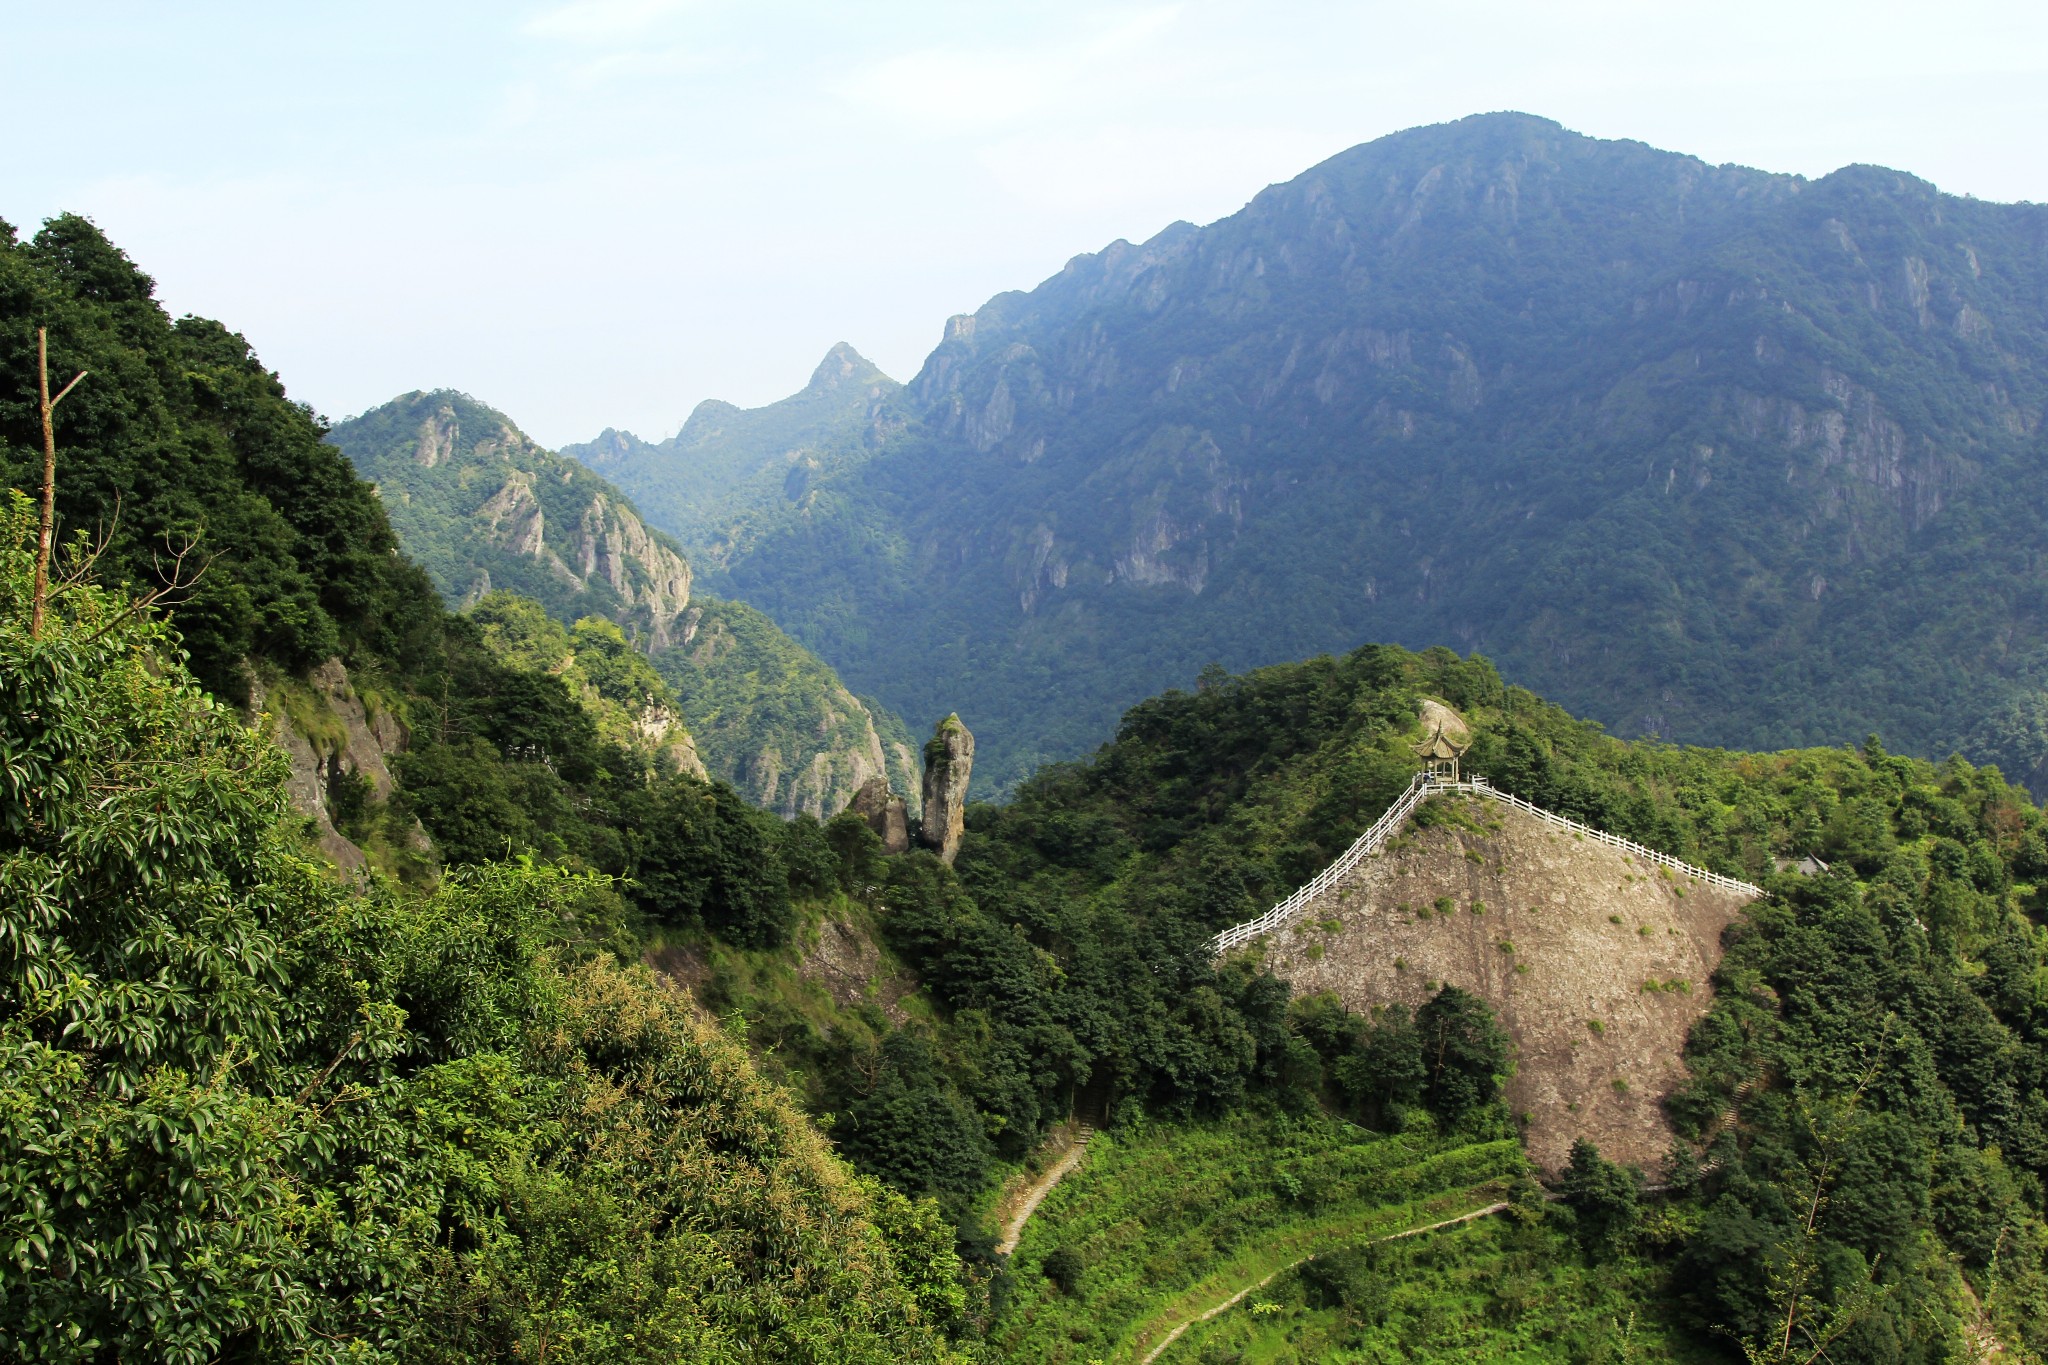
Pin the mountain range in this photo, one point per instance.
(484, 508)
(444, 1113)
(1711, 454)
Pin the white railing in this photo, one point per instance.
(1361, 848)
(1424, 786)
(1479, 786)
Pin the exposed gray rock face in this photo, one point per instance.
(884, 812)
(475, 500)
(340, 736)
(948, 759)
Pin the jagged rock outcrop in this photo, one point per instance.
(948, 760)
(481, 505)
(331, 736)
(484, 509)
(884, 812)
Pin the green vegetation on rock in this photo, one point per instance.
(779, 723)
(485, 509)
(632, 707)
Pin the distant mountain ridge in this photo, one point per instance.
(484, 508)
(1709, 453)
(703, 484)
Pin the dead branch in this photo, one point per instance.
(81, 563)
(175, 584)
(321, 1079)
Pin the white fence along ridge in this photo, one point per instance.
(1421, 789)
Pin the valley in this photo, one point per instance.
(442, 930)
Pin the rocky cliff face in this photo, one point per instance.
(948, 762)
(772, 719)
(1683, 446)
(332, 737)
(483, 507)
(884, 812)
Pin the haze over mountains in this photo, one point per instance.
(1706, 452)
(726, 462)
(584, 1056)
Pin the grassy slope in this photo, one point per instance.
(1169, 1220)
(1500, 1289)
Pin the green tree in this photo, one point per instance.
(1465, 1052)
(248, 1113)
(1606, 1199)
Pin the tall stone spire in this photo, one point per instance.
(948, 758)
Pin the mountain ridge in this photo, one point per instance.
(1683, 445)
(703, 482)
(484, 508)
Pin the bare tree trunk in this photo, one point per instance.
(42, 592)
(48, 529)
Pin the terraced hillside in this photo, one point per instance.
(1162, 1222)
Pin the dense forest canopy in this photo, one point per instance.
(249, 1112)
(245, 1113)
(1877, 1034)
(179, 440)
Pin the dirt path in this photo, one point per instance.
(1228, 1303)
(1024, 1202)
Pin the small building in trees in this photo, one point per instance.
(1441, 754)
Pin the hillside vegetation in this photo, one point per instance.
(1701, 452)
(483, 509)
(1220, 1208)
(180, 441)
(1872, 1048)
(250, 1115)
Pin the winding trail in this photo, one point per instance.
(1034, 1194)
(1174, 1335)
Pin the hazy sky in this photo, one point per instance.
(597, 213)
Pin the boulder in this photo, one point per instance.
(948, 759)
(884, 812)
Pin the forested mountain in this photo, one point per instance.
(1704, 452)
(482, 507)
(180, 441)
(1873, 1048)
(253, 1114)
(253, 1111)
(706, 482)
